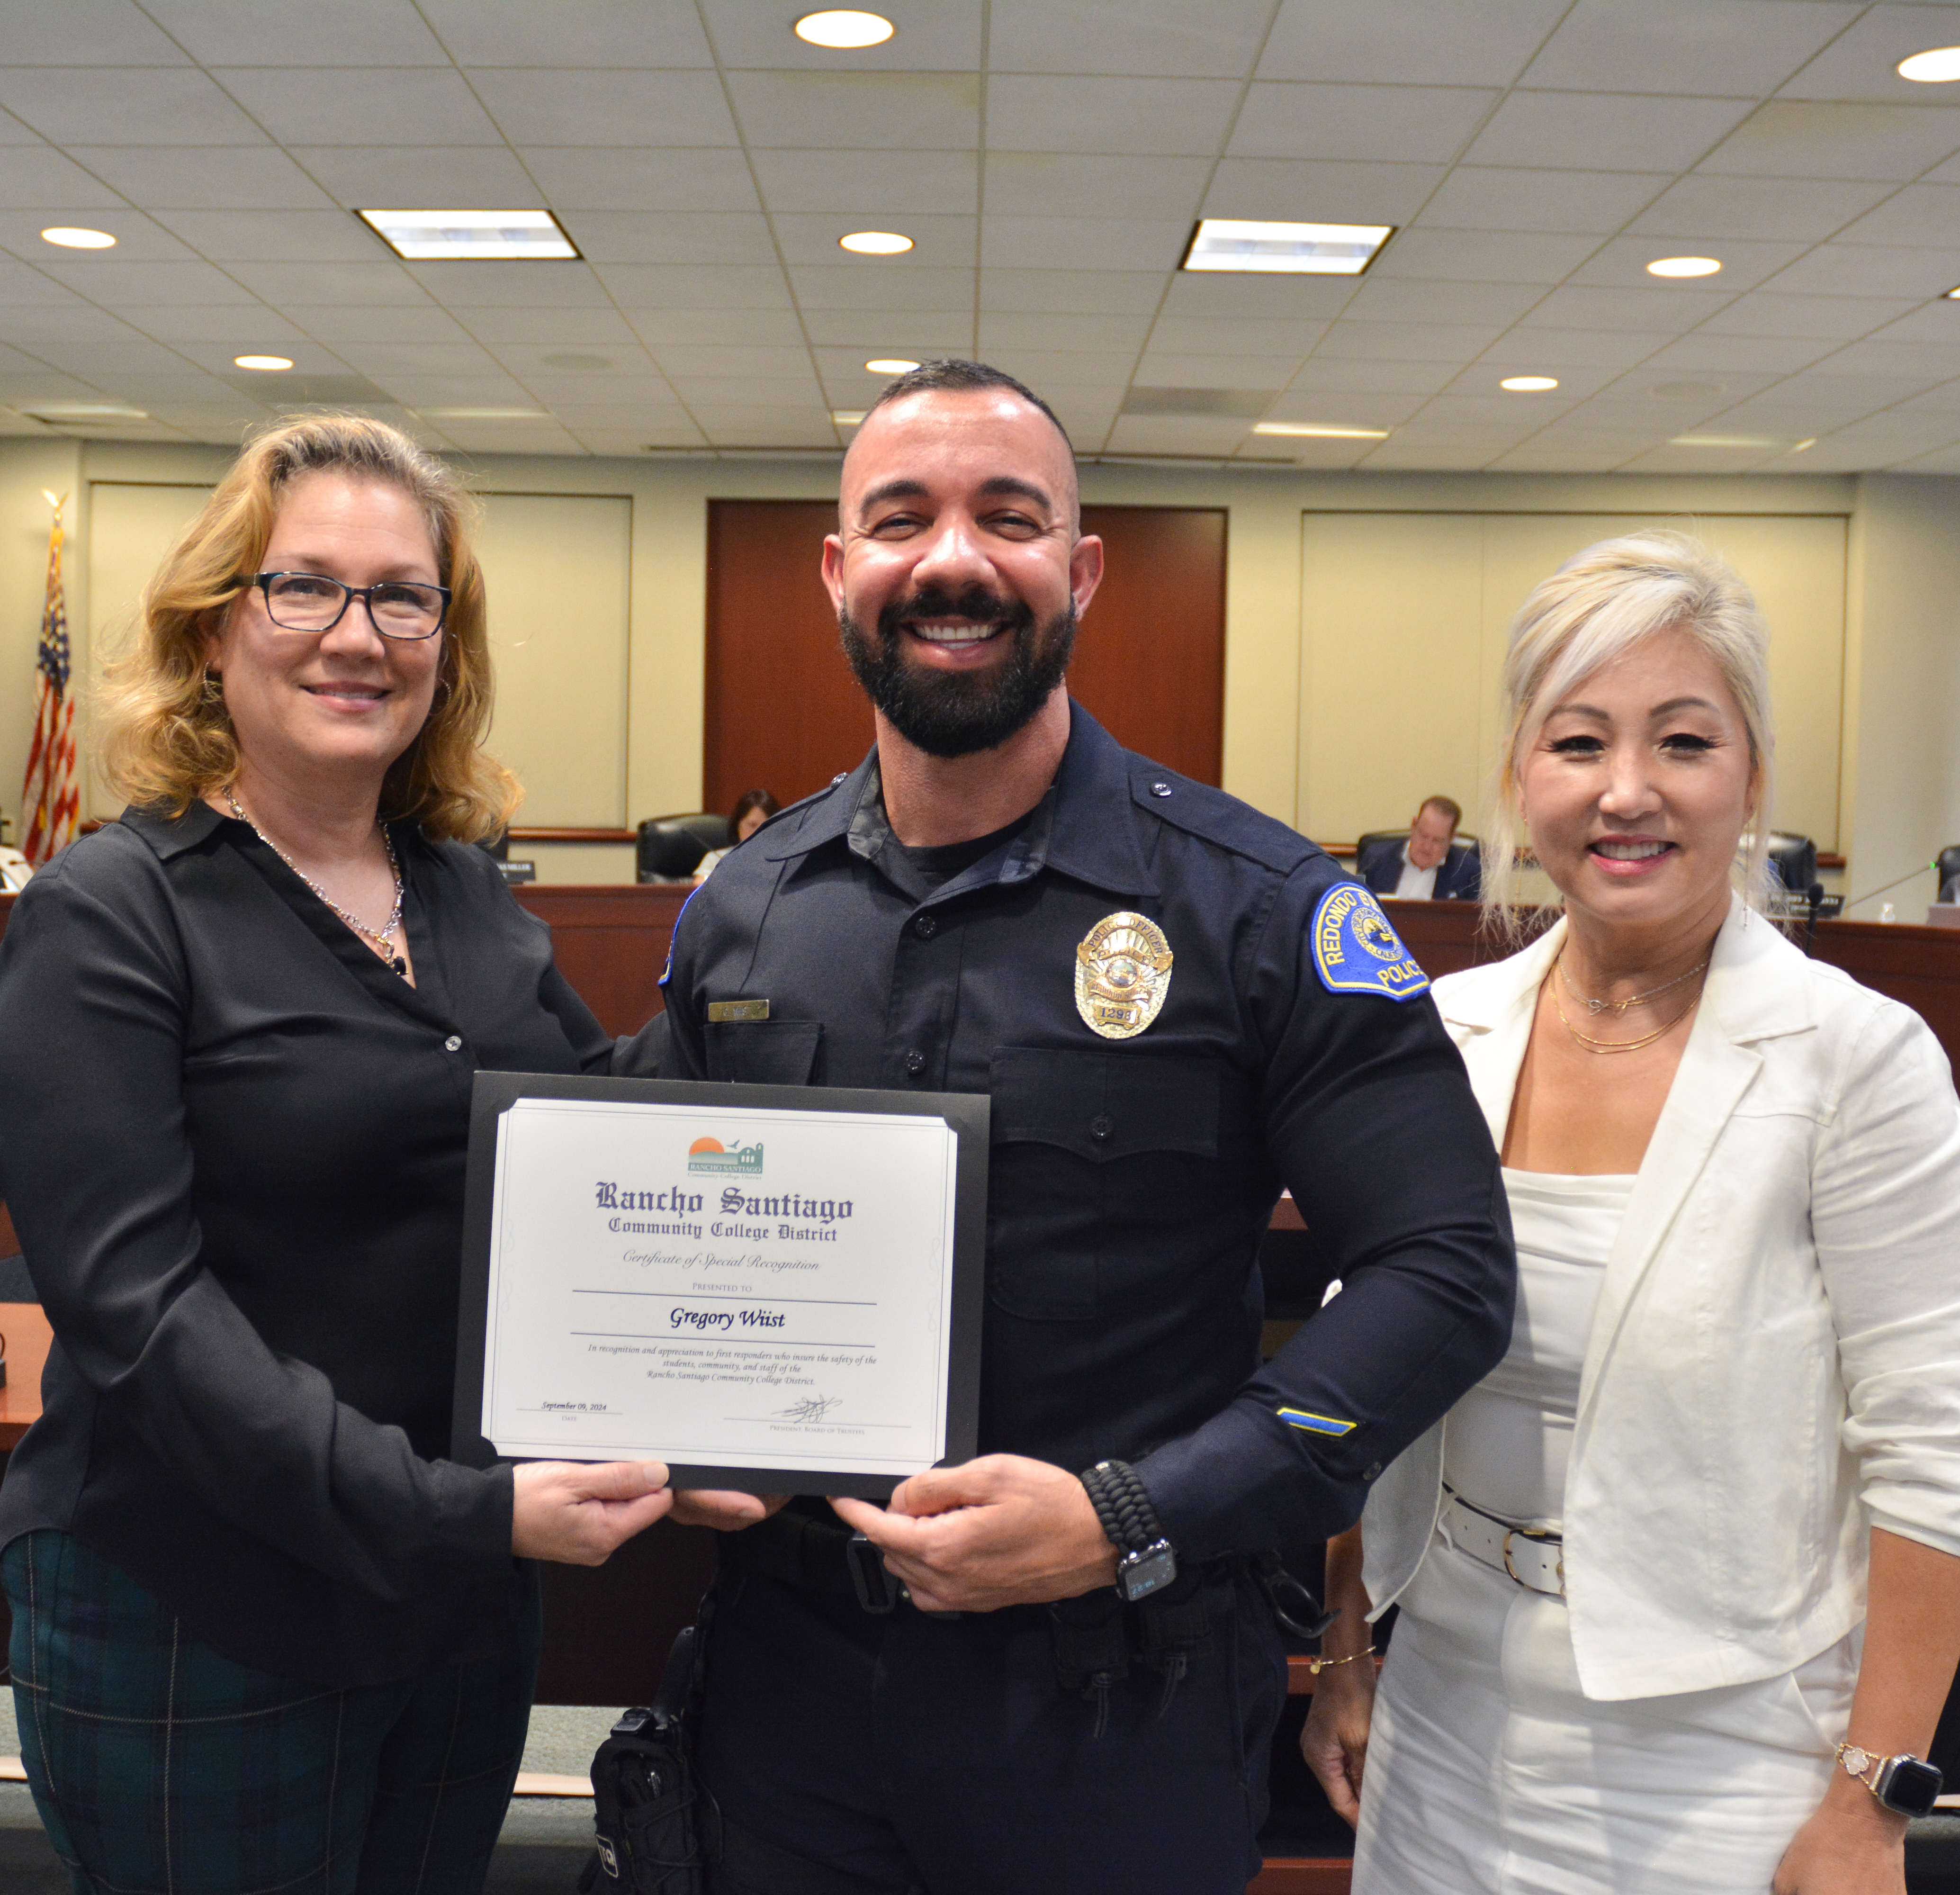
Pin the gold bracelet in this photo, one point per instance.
(1316, 1666)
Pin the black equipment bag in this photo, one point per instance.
(649, 1810)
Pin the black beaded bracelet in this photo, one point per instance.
(1129, 1521)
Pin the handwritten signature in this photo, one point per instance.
(811, 1407)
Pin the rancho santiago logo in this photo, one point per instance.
(710, 1155)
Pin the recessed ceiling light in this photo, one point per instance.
(891, 365)
(876, 242)
(1528, 384)
(1310, 250)
(1724, 440)
(420, 236)
(483, 414)
(1683, 266)
(1314, 430)
(71, 239)
(1935, 68)
(842, 27)
(262, 361)
(847, 417)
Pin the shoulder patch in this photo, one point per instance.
(1355, 950)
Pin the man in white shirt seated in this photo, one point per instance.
(1431, 865)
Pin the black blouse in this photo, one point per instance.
(233, 1143)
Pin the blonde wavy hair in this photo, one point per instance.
(1595, 608)
(164, 735)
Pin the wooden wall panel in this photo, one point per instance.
(784, 713)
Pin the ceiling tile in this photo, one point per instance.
(865, 185)
(243, 327)
(1575, 307)
(741, 427)
(872, 332)
(1945, 460)
(139, 238)
(384, 32)
(1745, 48)
(1161, 369)
(1919, 213)
(1320, 190)
(1493, 256)
(403, 177)
(1524, 352)
(1169, 116)
(1118, 338)
(486, 389)
(749, 391)
(611, 178)
(133, 285)
(1771, 355)
(505, 437)
(648, 421)
(1798, 139)
(1936, 322)
(326, 105)
(342, 323)
(1413, 123)
(1408, 342)
(101, 105)
(933, 36)
(1331, 375)
(618, 444)
(1495, 197)
(673, 237)
(658, 328)
(1045, 183)
(1779, 209)
(385, 361)
(857, 111)
(31, 327)
(600, 329)
(225, 237)
(1842, 318)
(510, 285)
(697, 359)
(34, 177)
(1227, 334)
(220, 358)
(1863, 393)
(89, 33)
(589, 106)
(1622, 263)
(1602, 131)
(1070, 243)
(813, 237)
(302, 286)
(1484, 381)
(1072, 292)
(1285, 299)
(1059, 368)
(1870, 269)
(550, 388)
(1176, 435)
(1862, 62)
(1167, 38)
(637, 286)
(569, 33)
(1408, 42)
(198, 178)
(1921, 363)
(1389, 299)
(1345, 408)
(880, 283)
(1495, 409)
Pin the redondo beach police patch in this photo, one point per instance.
(1122, 972)
(1357, 952)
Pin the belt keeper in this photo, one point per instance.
(877, 1587)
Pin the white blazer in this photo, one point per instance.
(1774, 1363)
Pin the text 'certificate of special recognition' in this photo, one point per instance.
(761, 1294)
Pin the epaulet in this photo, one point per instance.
(1199, 809)
(802, 802)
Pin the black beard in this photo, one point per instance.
(953, 713)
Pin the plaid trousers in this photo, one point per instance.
(160, 1768)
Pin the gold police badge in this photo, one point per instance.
(1122, 972)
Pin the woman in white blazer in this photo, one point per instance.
(1680, 1582)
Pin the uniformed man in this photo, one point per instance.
(1177, 1005)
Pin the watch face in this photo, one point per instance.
(1141, 1574)
(1909, 1786)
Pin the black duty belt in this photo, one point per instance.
(821, 1556)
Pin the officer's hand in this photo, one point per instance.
(725, 1512)
(577, 1511)
(998, 1531)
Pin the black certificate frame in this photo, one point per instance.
(968, 1113)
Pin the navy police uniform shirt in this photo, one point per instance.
(1131, 1178)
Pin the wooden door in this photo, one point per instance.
(785, 714)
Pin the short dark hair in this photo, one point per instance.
(760, 799)
(956, 377)
(1449, 808)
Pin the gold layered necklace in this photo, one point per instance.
(1619, 1007)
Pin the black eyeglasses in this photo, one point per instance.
(310, 602)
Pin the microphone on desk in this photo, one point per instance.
(1814, 894)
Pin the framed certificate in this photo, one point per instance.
(777, 1289)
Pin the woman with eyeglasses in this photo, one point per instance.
(264, 1636)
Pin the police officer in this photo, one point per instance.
(1063, 1676)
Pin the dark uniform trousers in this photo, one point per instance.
(1130, 1178)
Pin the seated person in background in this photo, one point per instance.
(1431, 866)
(752, 809)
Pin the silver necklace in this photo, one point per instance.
(1596, 1007)
(383, 942)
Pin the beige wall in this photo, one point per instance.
(1285, 750)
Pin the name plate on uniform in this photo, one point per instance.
(777, 1289)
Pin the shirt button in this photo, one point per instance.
(1101, 1126)
(452, 1044)
(1373, 1472)
(926, 927)
(915, 1063)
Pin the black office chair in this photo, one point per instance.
(497, 847)
(1792, 861)
(670, 848)
(1462, 839)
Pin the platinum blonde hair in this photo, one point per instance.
(1595, 608)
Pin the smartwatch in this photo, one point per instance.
(1906, 1783)
(1148, 1561)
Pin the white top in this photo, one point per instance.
(1773, 1367)
(1510, 1438)
(1417, 884)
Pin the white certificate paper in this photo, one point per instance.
(720, 1287)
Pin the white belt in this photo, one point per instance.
(1531, 1557)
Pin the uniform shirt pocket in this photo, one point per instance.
(763, 1053)
(1094, 1155)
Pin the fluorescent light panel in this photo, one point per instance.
(422, 236)
(1305, 249)
(1313, 430)
(1727, 440)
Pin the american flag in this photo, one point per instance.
(50, 802)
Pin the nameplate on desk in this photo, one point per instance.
(773, 1288)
